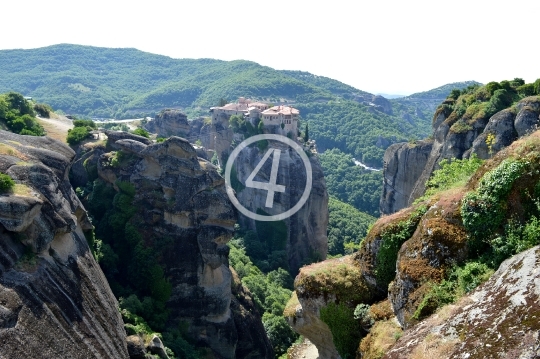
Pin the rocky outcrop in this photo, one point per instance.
(453, 138)
(497, 320)
(183, 209)
(54, 300)
(382, 104)
(169, 123)
(438, 243)
(332, 281)
(306, 229)
(404, 163)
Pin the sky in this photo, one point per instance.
(392, 46)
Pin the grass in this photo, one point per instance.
(290, 307)
(21, 190)
(381, 337)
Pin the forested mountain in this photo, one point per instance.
(124, 83)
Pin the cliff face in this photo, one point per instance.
(182, 209)
(169, 123)
(306, 229)
(404, 165)
(54, 300)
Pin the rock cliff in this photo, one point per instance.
(306, 237)
(169, 123)
(54, 299)
(454, 136)
(498, 320)
(430, 254)
(183, 213)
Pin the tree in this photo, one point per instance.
(306, 133)
(222, 102)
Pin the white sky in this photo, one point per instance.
(392, 46)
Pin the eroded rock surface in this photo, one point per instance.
(54, 299)
(497, 320)
(450, 141)
(169, 123)
(184, 211)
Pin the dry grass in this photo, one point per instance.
(56, 128)
(11, 151)
(381, 337)
(290, 307)
(434, 346)
(21, 190)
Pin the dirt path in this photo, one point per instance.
(56, 128)
(305, 350)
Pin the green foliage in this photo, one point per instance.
(346, 330)
(392, 238)
(452, 173)
(18, 115)
(141, 132)
(279, 332)
(483, 210)
(77, 135)
(306, 133)
(43, 110)
(461, 280)
(270, 293)
(350, 183)
(346, 227)
(6, 182)
(517, 238)
(117, 126)
(361, 313)
(85, 123)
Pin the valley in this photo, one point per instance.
(420, 226)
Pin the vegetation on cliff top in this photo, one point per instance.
(18, 116)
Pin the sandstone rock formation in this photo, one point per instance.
(498, 320)
(450, 141)
(306, 234)
(54, 300)
(169, 123)
(181, 198)
(404, 163)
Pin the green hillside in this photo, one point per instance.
(127, 83)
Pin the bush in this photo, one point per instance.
(84, 123)
(346, 331)
(392, 238)
(6, 182)
(43, 110)
(460, 281)
(77, 135)
(483, 210)
(141, 132)
(452, 173)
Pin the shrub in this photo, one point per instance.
(84, 123)
(517, 238)
(461, 280)
(6, 182)
(392, 238)
(43, 110)
(452, 173)
(141, 132)
(483, 210)
(461, 126)
(77, 135)
(346, 331)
